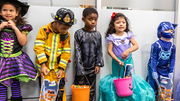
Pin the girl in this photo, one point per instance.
(15, 65)
(119, 40)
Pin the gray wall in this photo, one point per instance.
(143, 24)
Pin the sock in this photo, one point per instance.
(16, 90)
(3, 90)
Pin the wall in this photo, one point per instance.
(143, 24)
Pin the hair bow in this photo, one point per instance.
(113, 15)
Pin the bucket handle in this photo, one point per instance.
(120, 70)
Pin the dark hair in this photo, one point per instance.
(88, 11)
(19, 19)
(111, 29)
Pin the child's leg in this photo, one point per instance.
(3, 90)
(61, 90)
(16, 91)
(92, 81)
(152, 82)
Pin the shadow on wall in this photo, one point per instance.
(146, 49)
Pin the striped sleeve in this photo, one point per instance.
(39, 46)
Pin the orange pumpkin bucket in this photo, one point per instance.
(80, 92)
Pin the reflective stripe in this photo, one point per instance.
(63, 62)
(66, 50)
(41, 56)
(39, 43)
(47, 48)
(59, 51)
(54, 47)
(38, 66)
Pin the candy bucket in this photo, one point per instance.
(80, 93)
(124, 86)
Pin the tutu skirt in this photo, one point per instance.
(20, 67)
(142, 91)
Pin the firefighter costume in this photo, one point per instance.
(54, 50)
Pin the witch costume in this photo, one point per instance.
(15, 65)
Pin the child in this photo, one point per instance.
(15, 65)
(162, 57)
(53, 50)
(88, 52)
(119, 40)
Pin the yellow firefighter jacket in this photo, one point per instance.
(52, 48)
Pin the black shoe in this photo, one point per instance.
(16, 98)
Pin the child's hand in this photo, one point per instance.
(97, 69)
(3, 24)
(60, 73)
(125, 54)
(121, 63)
(170, 75)
(11, 24)
(44, 70)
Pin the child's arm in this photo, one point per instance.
(172, 62)
(39, 46)
(21, 36)
(78, 56)
(110, 47)
(132, 49)
(99, 54)
(153, 60)
(66, 53)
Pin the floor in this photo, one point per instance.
(69, 98)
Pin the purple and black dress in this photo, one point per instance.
(14, 63)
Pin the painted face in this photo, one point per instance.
(8, 12)
(90, 21)
(62, 28)
(120, 25)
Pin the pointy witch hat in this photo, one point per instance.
(24, 7)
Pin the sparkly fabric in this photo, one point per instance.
(142, 91)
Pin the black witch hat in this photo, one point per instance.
(24, 7)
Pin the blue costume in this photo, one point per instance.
(142, 91)
(162, 57)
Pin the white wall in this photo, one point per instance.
(142, 23)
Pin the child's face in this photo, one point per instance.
(120, 24)
(62, 28)
(8, 12)
(168, 31)
(90, 21)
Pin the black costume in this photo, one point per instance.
(88, 55)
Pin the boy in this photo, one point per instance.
(162, 58)
(53, 50)
(88, 50)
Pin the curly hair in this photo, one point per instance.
(19, 20)
(111, 29)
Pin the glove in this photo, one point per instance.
(170, 75)
(154, 75)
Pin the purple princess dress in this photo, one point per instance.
(142, 91)
(14, 63)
